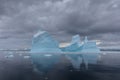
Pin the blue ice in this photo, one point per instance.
(76, 46)
(44, 42)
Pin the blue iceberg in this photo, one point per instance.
(45, 51)
(44, 42)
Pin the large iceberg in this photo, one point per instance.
(44, 46)
(44, 42)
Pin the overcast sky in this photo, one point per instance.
(21, 19)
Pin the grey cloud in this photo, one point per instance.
(20, 19)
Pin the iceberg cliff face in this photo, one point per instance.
(44, 42)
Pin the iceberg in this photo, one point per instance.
(44, 46)
(44, 42)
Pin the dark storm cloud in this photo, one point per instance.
(20, 19)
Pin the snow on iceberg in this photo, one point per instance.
(44, 42)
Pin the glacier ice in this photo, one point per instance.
(44, 42)
(44, 46)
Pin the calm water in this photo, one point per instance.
(17, 65)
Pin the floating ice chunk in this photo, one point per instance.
(10, 53)
(20, 54)
(9, 56)
(104, 53)
(47, 55)
(26, 57)
(44, 42)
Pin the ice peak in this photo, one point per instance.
(86, 39)
(39, 33)
(76, 39)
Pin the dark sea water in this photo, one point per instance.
(17, 65)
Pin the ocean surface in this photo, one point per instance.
(17, 65)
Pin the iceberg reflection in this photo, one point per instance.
(47, 61)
